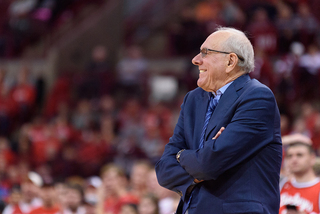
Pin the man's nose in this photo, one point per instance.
(197, 60)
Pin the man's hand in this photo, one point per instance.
(197, 181)
(219, 133)
(215, 137)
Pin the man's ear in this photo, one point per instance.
(232, 62)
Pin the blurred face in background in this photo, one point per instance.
(148, 206)
(113, 181)
(128, 209)
(90, 209)
(48, 195)
(61, 194)
(299, 159)
(139, 175)
(74, 198)
(29, 190)
(15, 197)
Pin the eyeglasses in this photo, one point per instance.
(204, 52)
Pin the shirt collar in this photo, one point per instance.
(221, 90)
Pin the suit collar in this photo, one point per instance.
(226, 101)
(241, 81)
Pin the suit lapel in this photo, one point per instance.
(201, 109)
(225, 102)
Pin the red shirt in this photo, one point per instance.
(42, 210)
(113, 205)
(303, 195)
(24, 94)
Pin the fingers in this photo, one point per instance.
(219, 133)
(197, 181)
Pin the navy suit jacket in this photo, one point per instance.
(241, 168)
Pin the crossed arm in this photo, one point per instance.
(250, 129)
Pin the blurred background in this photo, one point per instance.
(90, 91)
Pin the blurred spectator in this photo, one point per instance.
(62, 128)
(24, 150)
(306, 24)
(263, 32)
(82, 117)
(299, 126)
(91, 190)
(89, 208)
(99, 60)
(40, 86)
(285, 125)
(309, 72)
(131, 131)
(107, 106)
(156, 123)
(168, 200)
(107, 137)
(91, 150)
(129, 209)
(287, 77)
(286, 28)
(60, 94)
(74, 199)
(113, 193)
(207, 11)
(48, 196)
(188, 30)
(99, 78)
(19, 8)
(5, 184)
(316, 135)
(138, 178)
(45, 148)
(132, 73)
(6, 151)
(8, 111)
(302, 191)
(148, 205)
(231, 14)
(30, 187)
(24, 94)
(61, 194)
(14, 207)
(4, 83)
(263, 70)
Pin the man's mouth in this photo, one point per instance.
(202, 71)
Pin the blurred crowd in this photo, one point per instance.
(89, 144)
(84, 130)
(24, 22)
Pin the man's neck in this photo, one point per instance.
(305, 177)
(233, 76)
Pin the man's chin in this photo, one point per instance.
(202, 86)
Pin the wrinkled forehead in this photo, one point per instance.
(215, 40)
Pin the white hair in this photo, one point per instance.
(239, 44)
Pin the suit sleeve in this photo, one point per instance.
(170, 173)
(250, 129)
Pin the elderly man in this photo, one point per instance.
(225, 153)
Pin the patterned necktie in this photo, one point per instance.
(212, 105)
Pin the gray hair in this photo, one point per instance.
(239, 44)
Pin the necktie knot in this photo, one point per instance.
(213, 103)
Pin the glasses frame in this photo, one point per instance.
(204, 52)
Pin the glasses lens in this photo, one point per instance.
(203, 52)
